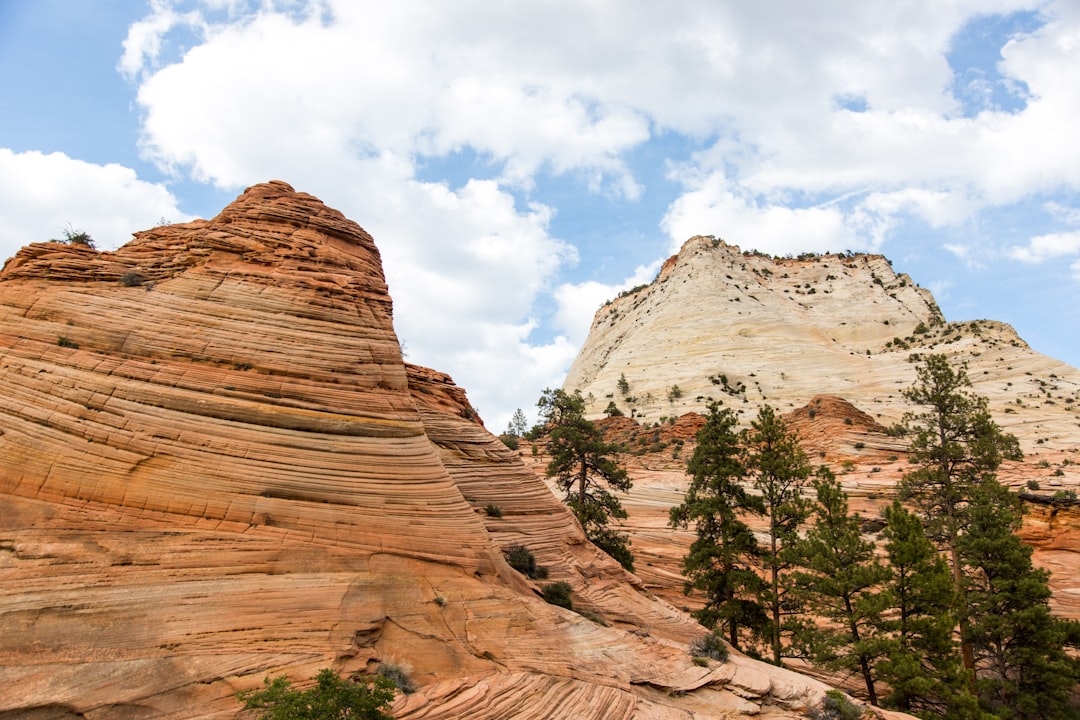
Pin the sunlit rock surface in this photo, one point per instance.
(215, 466)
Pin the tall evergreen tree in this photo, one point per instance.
(518, 424)
(955, 445)
(840, 583)
(719, 561)
(1023, 671)
(778, 469)
(586, 469)
(921, 665)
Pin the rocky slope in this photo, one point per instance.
(832, 342)
(214, 466)
(746, 329)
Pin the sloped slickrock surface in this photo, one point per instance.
(831, 341)
(745, 329)
(215, 466)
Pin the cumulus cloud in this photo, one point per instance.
(578, 302)
(816, 127)
(42, 194)
(1045, 247)
(715, 207)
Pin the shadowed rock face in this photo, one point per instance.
(215, 466)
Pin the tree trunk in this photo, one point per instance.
(864, 665)
(775, 639)
(583, 477)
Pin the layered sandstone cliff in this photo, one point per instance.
(214, 466)
(745, 329)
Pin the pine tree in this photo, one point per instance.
(778, 469)
(518, 424)
(839, 584)
(922, 665)
(1023, 671)
(955, 445)
(586, 470)
(719, 561)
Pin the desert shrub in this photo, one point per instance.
(493, 510)
(835, 706)
(63, 341)
(131, 279)
(558, 593)
(331, 698)
(1032, 484)
(509, 441)
(709, 646)
(76, 237)
(860, 445)
(399, 675)
(521, 559)
(612, 410)
(701, 662)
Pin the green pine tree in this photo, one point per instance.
(586, 469)
(955, 445)
(922, 664)
(779, 470)
(1023, 671)
(839, 583)
(719, 561)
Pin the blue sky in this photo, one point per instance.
(519, 163)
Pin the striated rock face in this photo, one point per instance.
(215, 466)
(831, 341)
(748, 329)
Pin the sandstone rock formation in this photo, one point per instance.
(214, 466)
(746, 329)
(831, 341)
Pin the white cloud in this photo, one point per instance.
(346, 100)
(714, 207)
(1045, 247)
(41, 194)
(578, 302)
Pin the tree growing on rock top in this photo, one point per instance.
(586, 469)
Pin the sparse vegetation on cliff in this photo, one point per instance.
(332, 698)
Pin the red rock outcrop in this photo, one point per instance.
(214, 466)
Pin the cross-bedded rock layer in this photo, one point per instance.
(214, 466)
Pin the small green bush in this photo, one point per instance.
(1032, 484)
(493, 510)
(835, 706)
(558, 593)
(612, 410)
(509, 441)
(701, 662)
(399, 675)
(131, 279)
(709, 646)
(521, 559)
(331, 698)
(63, 341)
(76, 237)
